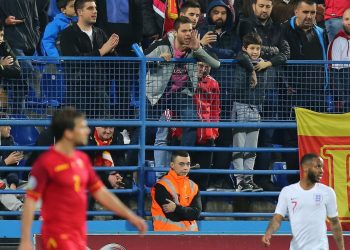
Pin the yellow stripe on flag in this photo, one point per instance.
(312, 123)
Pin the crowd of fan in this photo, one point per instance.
(261, 34)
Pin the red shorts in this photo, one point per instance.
(62, 242)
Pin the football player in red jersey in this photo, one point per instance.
(60, 178)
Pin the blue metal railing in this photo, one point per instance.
(142, 123)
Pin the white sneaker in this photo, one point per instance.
(126, 137)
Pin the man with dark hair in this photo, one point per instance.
(60, 177)
(176, 202)
(308, 204)
(88, 83)
(192, 10)
(170, 86)
(307, 85)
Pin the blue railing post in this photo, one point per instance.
(142, 134)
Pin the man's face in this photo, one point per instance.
(203, 69)
(1, 36)
(346, 21)
(315, 170)
(218, 16)
(262, 9)
(5, 131)
(69, 9)
(253, 50)
(183, 34)
(105, 133)
(193, 14)
(88, 13)
(305, 15)
(181, 165)
(80, 133)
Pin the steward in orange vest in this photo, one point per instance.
(176, 202)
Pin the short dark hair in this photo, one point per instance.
(189, 4)
(308, 2)
(62, 3)
(79, 4)
(181, 20)
(180, 153)
(251, 38)
(63, 120)
(255, 1)
(307, 158)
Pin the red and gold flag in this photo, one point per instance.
(329, 136)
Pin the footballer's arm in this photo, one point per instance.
(337, 232)
(27, 220)
(275, 223)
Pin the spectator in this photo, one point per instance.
(176, 202)
(191, 9)
(334, 10)
(221, 39)
(207, 100)
(274, 51)
(171, 86)
(248, 96)
(8, 158)
(42, 9)
(88, 84)
(9, 68)
(49, 43)
(306, 84)
(338, 50)
(22, 33)
(9, 201)
(123, 18)
(283, 10)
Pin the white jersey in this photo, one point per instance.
(308, 211)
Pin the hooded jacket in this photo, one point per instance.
(342, 54)
(227, 43)
(50, 41)
(24, 36)
(158, 77)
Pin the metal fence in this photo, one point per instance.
(135, 92)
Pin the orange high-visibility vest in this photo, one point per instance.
(183, 190)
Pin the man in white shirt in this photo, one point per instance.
(308, 204)
(339, 50)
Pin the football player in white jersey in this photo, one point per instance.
(308, 204)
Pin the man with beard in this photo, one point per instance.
(339, 51)
(87, 91)
(308, 85)
(308, 204)
(218, 29)
(170, 86)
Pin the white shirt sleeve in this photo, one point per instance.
(338, 49)
(282, 205)
(331, 205)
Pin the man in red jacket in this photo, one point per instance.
(334, 10)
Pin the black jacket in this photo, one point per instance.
(129, 28)
(74, 42)
(26, 35)
(10, 177)
(275, 48)
(118, 157)
(10, 71)
(181, 213)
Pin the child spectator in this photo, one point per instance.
(49, 43)
(248, 96)
(8, 158)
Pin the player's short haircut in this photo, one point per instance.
(251, 38)
(189, 4)
(181, 20)
(177, 153)
(79, 4)
(62, 3)
(63, 120)
(307, 158)
(308, 2)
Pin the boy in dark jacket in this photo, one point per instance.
(248, 96)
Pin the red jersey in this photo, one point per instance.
(61, 182)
